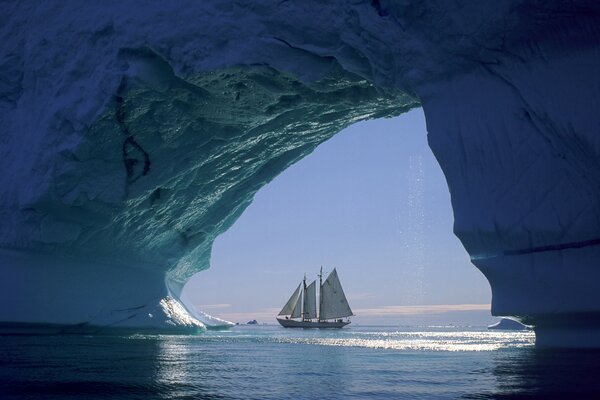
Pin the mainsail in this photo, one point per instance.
(333, 300)
(292, 303)
(310, 301)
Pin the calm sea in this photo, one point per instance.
(269, 362)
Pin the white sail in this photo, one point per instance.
(333, 299)
(292, 302)
(297, 312)
(310, 301)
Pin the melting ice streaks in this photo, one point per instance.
(414, 238)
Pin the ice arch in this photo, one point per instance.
(135, 133)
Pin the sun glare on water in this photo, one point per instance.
(430, 341)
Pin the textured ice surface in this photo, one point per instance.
(133, 134)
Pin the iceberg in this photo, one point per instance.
(130, 141)
(508, 324)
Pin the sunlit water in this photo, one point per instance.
(269, 362)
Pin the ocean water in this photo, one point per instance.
(270, 362)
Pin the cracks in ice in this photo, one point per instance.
(135, 158)
(133, 154)
(562, 148)
(131, 308)
(539, 249)
(376, 4)
(291, 46)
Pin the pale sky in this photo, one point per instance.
(373, 203)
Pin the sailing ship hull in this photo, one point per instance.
(290, 323)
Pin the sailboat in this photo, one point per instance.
(300, 311)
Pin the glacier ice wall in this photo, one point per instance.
(524, 174)
(134, 133)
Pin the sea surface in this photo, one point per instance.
(270, 362)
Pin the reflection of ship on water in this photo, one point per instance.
(333, 305)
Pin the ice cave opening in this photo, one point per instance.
(372, 201)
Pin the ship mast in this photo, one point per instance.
(320, 293)
(304, 293)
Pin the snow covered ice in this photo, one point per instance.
(131, 140)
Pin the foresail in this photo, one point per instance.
(333, 300)
(310, 301)
(292, 302)
(297, 312)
